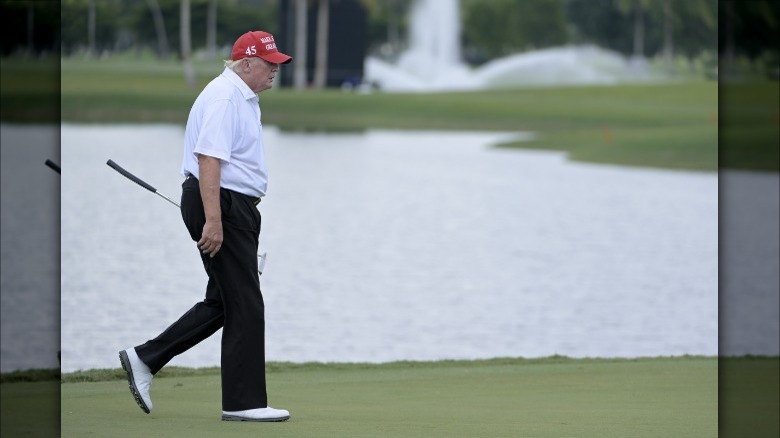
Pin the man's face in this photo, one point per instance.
(259, 73)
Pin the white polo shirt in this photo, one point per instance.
(224, 123)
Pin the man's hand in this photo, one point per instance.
(211, 240)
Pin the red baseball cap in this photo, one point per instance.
(258, 44)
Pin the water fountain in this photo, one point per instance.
(433, 60)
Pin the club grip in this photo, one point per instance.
(53, 165)
(130, 176)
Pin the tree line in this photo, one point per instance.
(490, 28)
(495, 28)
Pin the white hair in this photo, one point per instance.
(229, 63)
(233, 64)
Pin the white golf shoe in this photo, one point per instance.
(261, 414)
(139, 377)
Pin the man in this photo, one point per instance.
(225, 171)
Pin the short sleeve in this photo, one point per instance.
(217, 130)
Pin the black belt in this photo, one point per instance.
(252, 199)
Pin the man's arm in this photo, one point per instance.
(211, 240)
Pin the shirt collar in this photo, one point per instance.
(239, 83)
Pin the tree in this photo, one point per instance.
(321, 57)
(689, 27)
(749, 30)
(639, 9)
(696, 26)
(186, 44)
(668, 35)
(91, 17)
(211, 30)
(87, 26)
(30, 26)
(299, 66)
(386, 24)
(500, 27)
(159, 28)
(599, 22)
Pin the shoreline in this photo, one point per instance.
(111, 374)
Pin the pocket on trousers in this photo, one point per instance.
(236, 211)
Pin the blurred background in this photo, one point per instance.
(331, 39)
(610, 167)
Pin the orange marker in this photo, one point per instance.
(607, 135)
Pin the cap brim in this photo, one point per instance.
(277, 58)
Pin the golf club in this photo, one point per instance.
(53, 165)
(139, 181)
(55, 168)
(142, 183)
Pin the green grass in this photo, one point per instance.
(686, 396)
(634, 146)
(550, 397)
(34, 375)
(30, 409)
(29, 90)
(749, 397)
(750, 126)
(670, 125)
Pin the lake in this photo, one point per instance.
(398, 245)
(29, 245)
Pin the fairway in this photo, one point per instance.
(552, 397)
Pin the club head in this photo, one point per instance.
(260, 263)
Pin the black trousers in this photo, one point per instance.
(233, 302)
